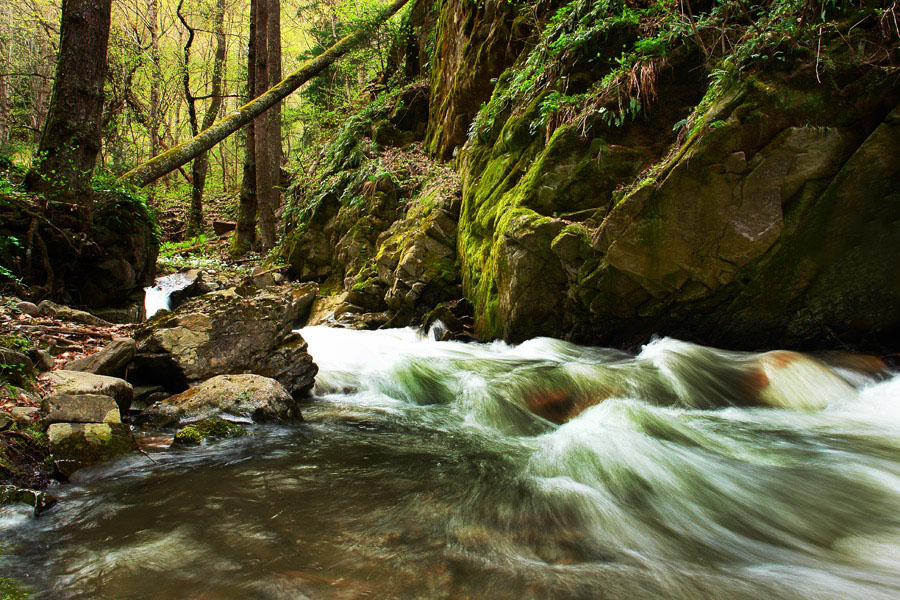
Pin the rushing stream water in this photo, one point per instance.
(419, 474)
(159, 296)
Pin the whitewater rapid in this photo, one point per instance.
(668, 477)
(430, 469)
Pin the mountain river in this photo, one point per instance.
(682, 472)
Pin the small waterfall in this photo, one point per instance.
(158, 296)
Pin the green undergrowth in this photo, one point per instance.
(25, 456)
(350, 160)
(15, 342)
(198, 245)
(205, 251)
(602, 62)
(10, 589)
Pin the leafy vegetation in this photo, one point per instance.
(351, 160)
(120, 204)
(15, 342)
(25, 456)
(602, 61)
(326, 101)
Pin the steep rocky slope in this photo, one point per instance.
(628, 169)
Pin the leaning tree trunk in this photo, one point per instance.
(172, 159)
(71, 137)
(245, 233)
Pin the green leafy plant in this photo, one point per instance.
(122, 206)
(19, 343)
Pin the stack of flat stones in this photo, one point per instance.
(84, 414)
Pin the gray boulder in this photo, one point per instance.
(191, 286)
(76, 383)
(226, 396)
(42, 359)
(234, 331)
(25, 414)
(112, 360)
(27, 308)
(65, 313)
(262, 277)
(82, 408)
(132, 312)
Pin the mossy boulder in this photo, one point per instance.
(762, 231)
(769, 225)
(475, 43)
(15, 367)
(244, 396)
(75, 446)
(208, 430)
(99, 266)
(234, 331)
(37, 499)
(416, 259)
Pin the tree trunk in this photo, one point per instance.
(172, 159)
(71, 137)
(5, 56)
(155, 79)
(201, 164)
(274, 114)
(261, 131)
(245, 234)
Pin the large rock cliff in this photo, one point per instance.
(619, 180)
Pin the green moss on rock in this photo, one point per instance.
(10, 589)
(208, 430)
(78, 445)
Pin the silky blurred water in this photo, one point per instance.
(421, 472)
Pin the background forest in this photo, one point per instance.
(590, 170)
(161, 69)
